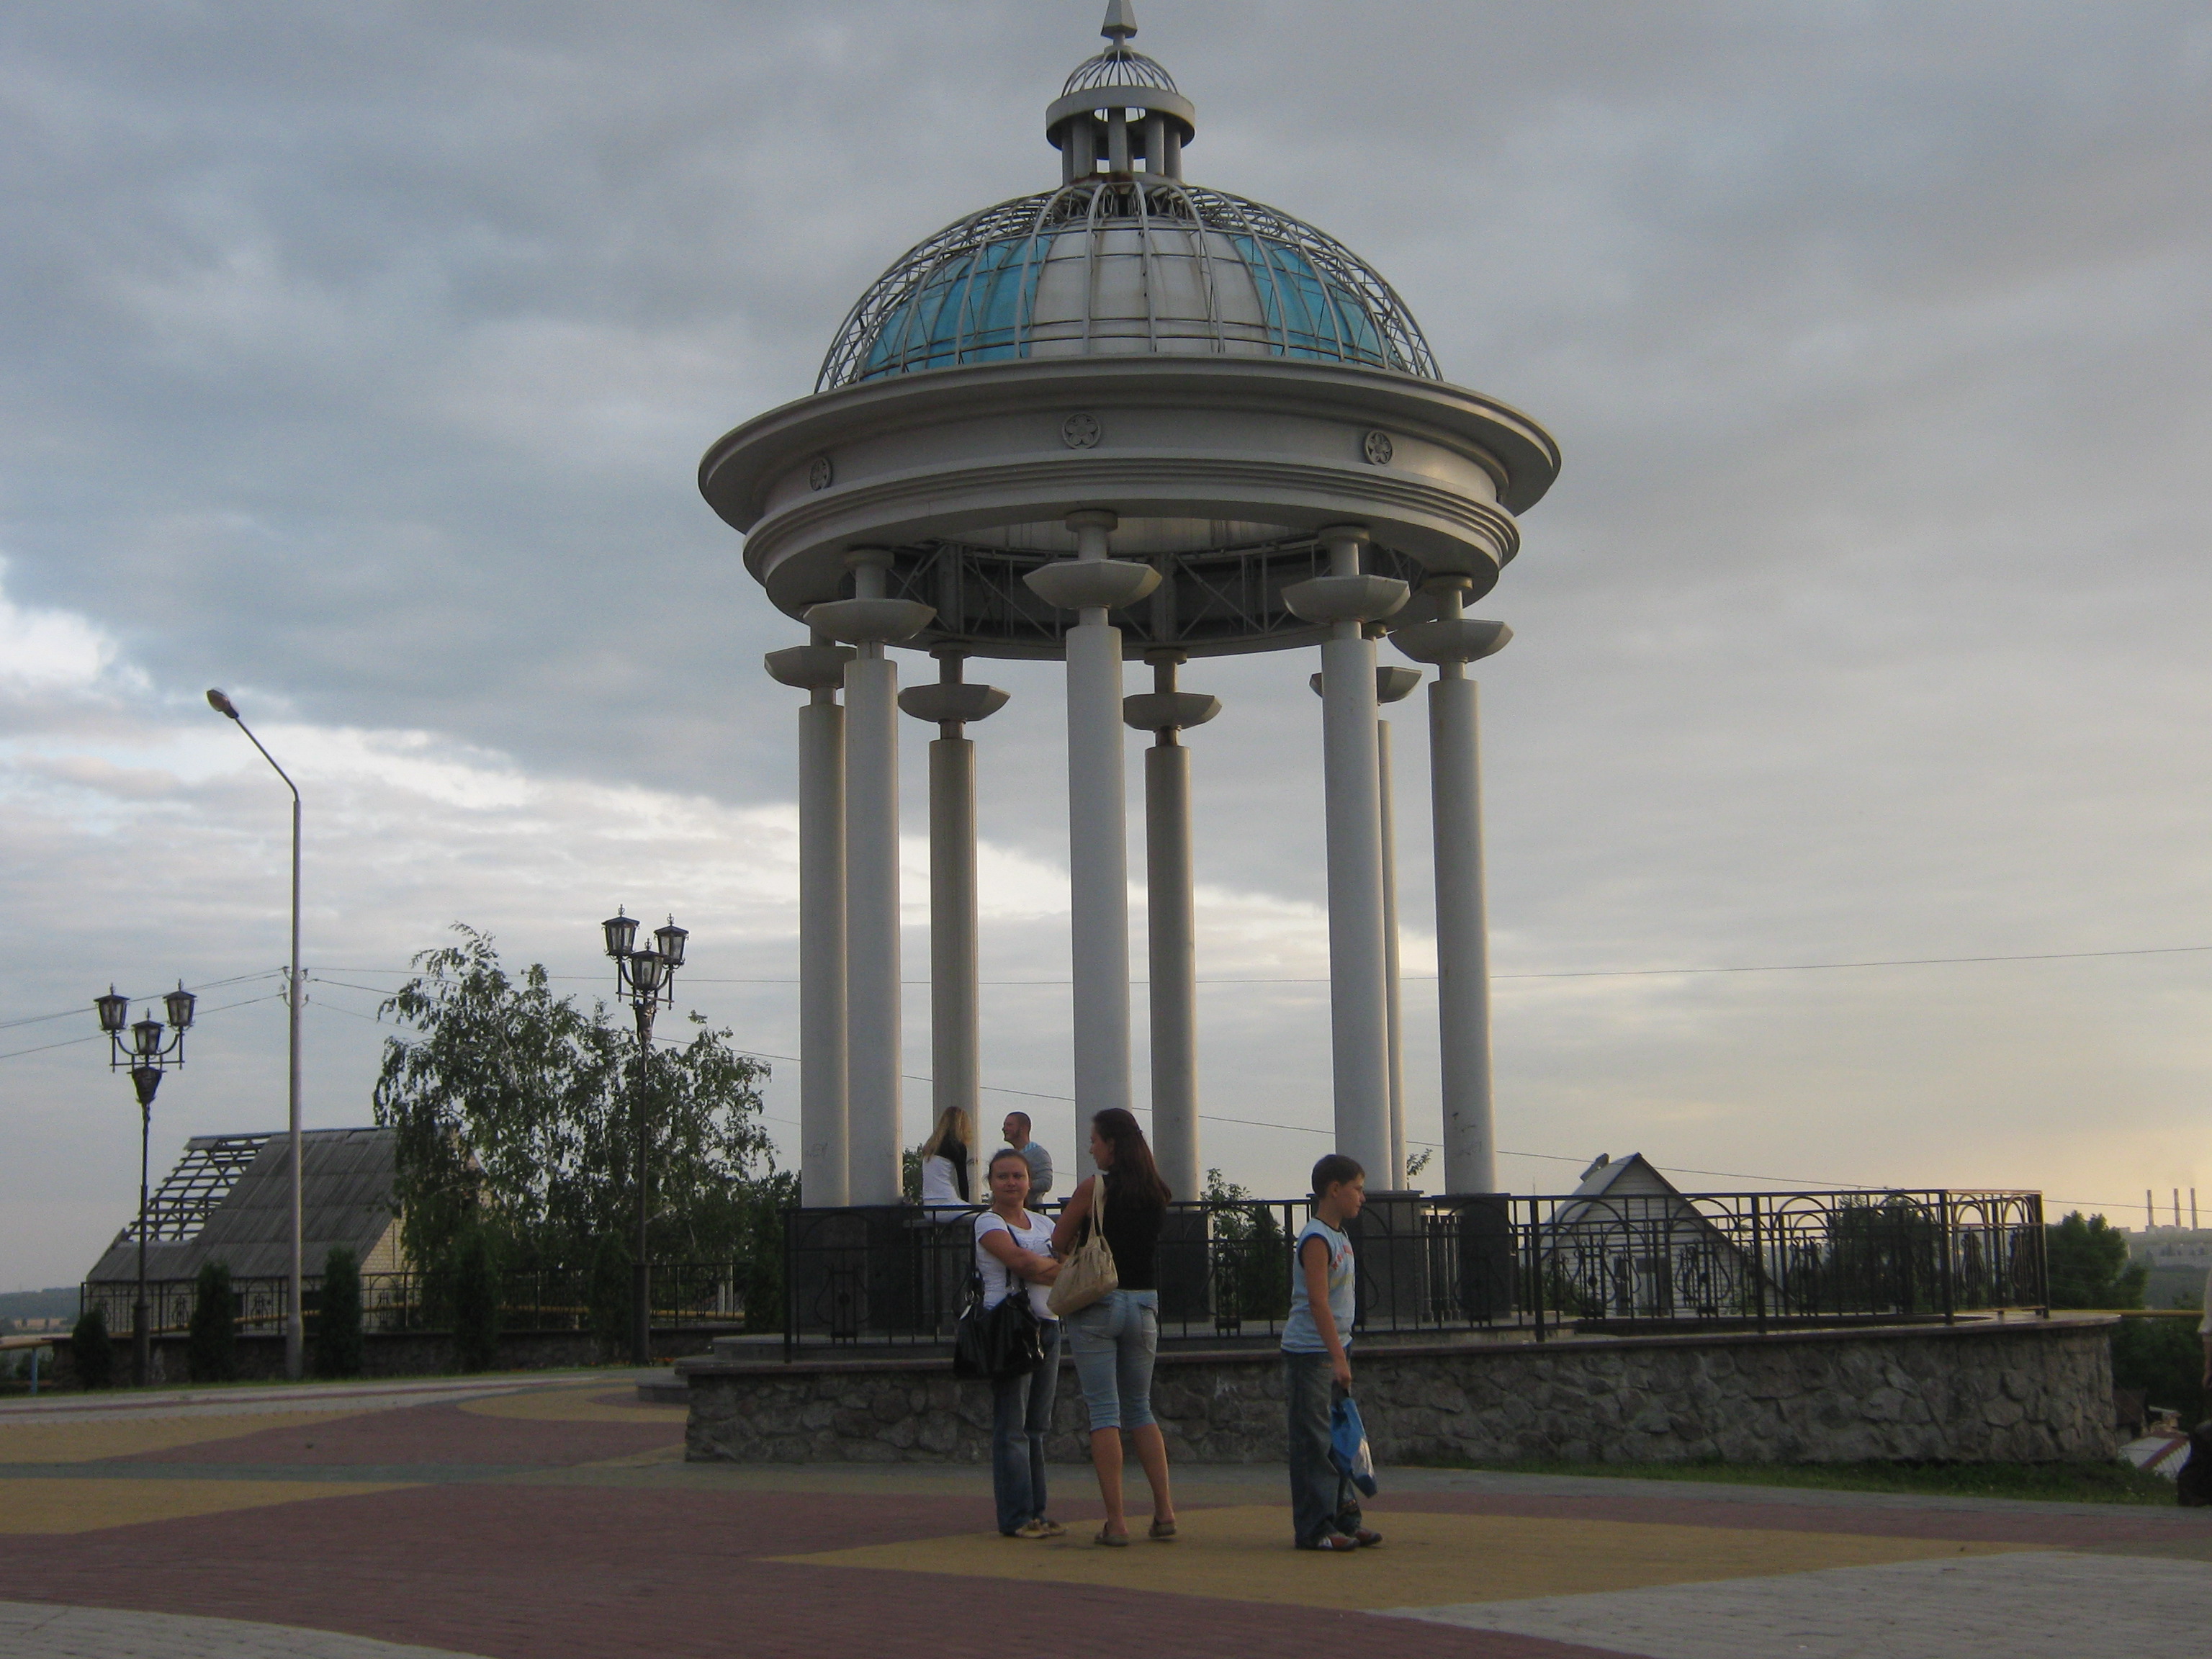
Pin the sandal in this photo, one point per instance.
(1162, 1532)
(1335, 1543)
(1112, 1540)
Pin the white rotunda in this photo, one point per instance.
(1125, 416)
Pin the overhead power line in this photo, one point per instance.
(1563, 972)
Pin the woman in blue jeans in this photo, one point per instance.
(1014, 1255)
(1115, 1338)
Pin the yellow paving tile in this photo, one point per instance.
(85, 1441)
(1243, 1554)
(578, 1405)
(69, 1506)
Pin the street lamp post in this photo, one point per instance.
(145, 1050)
(647, 981)
(295, 1344)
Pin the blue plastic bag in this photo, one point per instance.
(1347, 1446)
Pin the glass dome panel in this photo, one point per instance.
(1264, 283)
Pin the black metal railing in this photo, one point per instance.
(896, 1275)
(685, 1295)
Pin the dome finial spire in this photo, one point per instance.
(1120, 22)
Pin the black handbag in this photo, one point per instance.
(990, 1344)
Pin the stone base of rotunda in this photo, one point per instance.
(2029, 1389)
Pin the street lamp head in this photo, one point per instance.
(647, 972)
(146, 1038)
(622, 932)
(179, 1004)
(114, 1012)
(219, 700)
(670, 941)
(146, 1079)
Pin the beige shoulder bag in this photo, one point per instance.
(1090, 1272)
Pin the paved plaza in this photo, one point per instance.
(527, 1518)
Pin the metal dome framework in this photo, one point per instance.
(968, 294)
(1118, 66)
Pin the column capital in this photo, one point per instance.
(1334, 599)
(809, 667)
(1451, 640)
(1392, 683)
(1168, 711)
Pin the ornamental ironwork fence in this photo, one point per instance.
(896, 1275)
(685, 1295)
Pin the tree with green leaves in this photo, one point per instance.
(212, 1347)
(338, 1316)
(516, 1114)
(2088, 1266)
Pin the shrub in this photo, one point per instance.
(212, 1348)
(2164, 1357)
(760, 1271)
(337, 1320)
(609, 1296)
(92, 1352)
(475, 1280)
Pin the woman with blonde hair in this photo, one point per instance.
(945, 1163)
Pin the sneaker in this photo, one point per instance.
(1052, 1529)
(1037, 1527)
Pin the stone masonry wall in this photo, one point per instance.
(2027, 1391)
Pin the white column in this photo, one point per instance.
(1452, 641)
(1462, 933)
(1170, 916)
(953, 1035)
(824, 1179)
(1171, 913)
(1098, 868)
(1358, 1003)
(1097, 826)
(871, 839)
(818, 669)
(874, 1040)
(954, 1038)
(1393, 1025)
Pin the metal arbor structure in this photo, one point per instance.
(145, 1050)
(1128, 416)
(647, 981)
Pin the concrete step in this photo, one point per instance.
(665, 1388)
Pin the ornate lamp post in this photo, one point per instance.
(646, 980)
(295, 1329)
(145, 1050)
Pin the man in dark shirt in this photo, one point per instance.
(1017, 1128)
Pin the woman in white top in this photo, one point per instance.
(1013, 1252)
(945, 1166)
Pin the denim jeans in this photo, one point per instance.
(1309, 1391)
(1021, 1415)
(1114, 1341)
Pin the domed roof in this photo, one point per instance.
(1125, 259)
(1110, 266)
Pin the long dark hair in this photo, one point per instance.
(1133, 1177)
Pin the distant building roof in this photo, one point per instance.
(229, 1201)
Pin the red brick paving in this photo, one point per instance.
(569, 1572)
(430, 1434)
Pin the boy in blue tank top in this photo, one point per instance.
(1317, 1364)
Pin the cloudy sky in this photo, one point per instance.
(358, 357)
